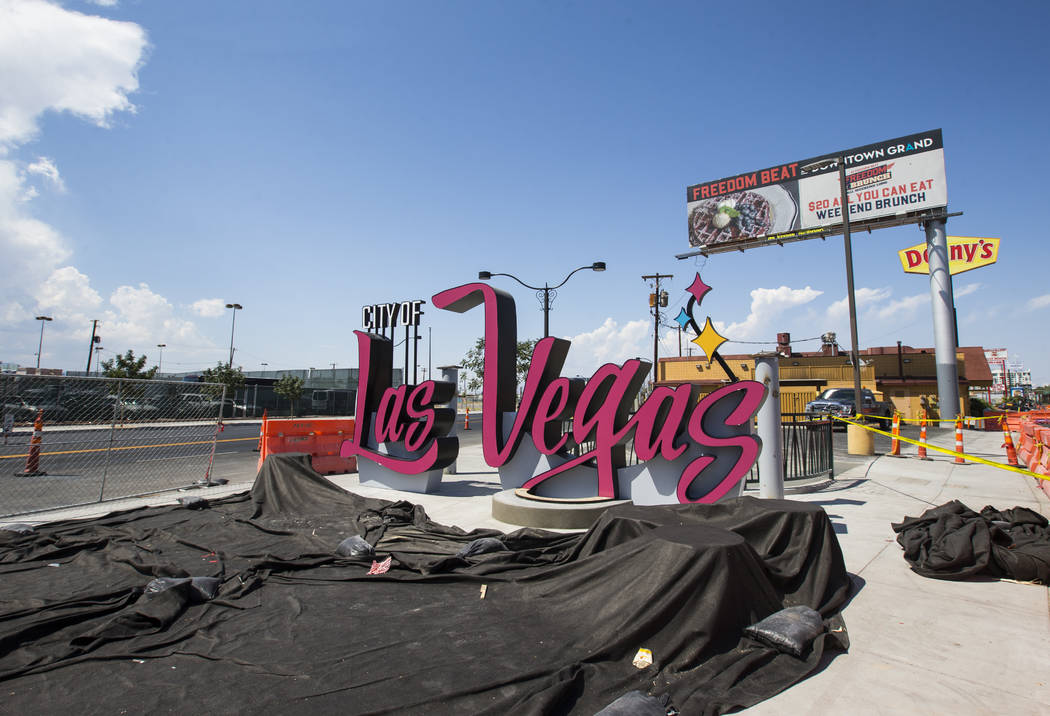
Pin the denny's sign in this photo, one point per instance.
(965, 253)
(567, 437)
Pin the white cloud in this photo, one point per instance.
(766, 304)
(209, 307)
(1038, 302)
(69, 291)
(865, 298)
(30, 248)
(46, 168)
(54, 59)
(609, 343)
(104, 3)
(140, 317)
(906, 307)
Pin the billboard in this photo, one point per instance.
(965, 253)
(996, 355)
(802, 199)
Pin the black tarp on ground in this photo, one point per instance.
(296, 628)
(954, 542)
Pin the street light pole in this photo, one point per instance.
(98, 357)
(236, 307)
(545, 289)
(840, 163)
(160, 362)
(39, 349)
(848, 245)
(94, 339)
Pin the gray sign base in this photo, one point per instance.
(371, 474)
(510, 508)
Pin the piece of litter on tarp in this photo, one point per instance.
(355, 546)
(139, 661)
(54, 564)
(643, 658)
(381, 567)
(484, 589)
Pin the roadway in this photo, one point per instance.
(86, 464)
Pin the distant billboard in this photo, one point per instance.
(996, 355)
(965, 253)
(802, 199)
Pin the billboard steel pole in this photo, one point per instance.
(943, 318)
(854, 355)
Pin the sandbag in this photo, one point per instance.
(791, 630)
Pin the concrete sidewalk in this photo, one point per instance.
(921, 645)
(918, 644)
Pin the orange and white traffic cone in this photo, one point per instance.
(466, 420)
(959, 442)
(922, 437)
(895, 444)
(1008, 443)
(33, 458)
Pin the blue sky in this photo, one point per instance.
(161, 159)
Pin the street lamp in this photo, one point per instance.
(236, 307)
(43, 320)
(160, 362)
(840, 163)
(543, 293)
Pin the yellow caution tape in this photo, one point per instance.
(951, 420)
(127, 447)
(946, 451)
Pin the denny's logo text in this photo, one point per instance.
(965, 253)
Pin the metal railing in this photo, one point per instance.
(102, 439)
(808, 450)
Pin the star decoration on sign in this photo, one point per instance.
(698, 288)
(707, 339)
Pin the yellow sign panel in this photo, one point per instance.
(965, 253)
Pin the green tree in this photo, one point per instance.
(1042, 394)
(232, 378)
(290, 387)
(128, 366)
(475, 362)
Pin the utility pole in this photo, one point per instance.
(655, 300)
(91, 346)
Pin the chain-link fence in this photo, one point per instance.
(102, 438)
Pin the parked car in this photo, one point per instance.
(26, 412)
(840, 402)
(137, 410)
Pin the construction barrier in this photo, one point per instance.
(262, 432)
(320, 438)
